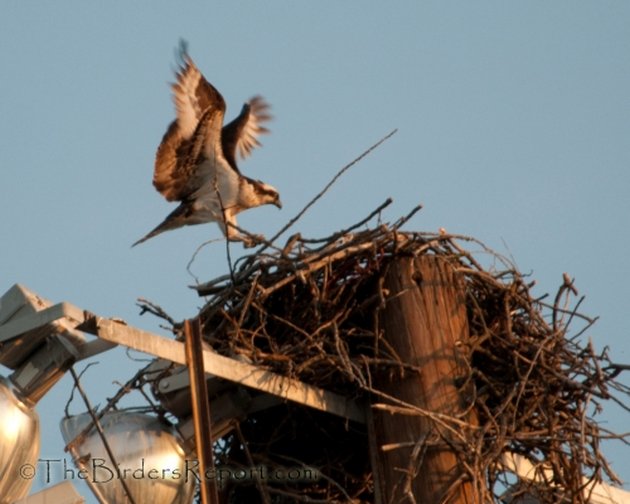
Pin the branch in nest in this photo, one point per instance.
(149, 307)
(328, 186)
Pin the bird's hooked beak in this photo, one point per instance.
(277, 202)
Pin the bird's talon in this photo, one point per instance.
(253, 240)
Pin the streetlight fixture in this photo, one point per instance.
(150, 465)
(39, 355)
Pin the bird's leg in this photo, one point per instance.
(228, 226)
(231, 232)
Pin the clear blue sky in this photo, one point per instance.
(513, 118)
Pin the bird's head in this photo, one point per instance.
(268, 194)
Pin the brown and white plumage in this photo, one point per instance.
(195, 163)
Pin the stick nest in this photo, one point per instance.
(310, 311)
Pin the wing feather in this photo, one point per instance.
(172, 150)
(184, 166)
(196, 133)
(193, 95)
(241, 135)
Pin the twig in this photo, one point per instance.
(226, 225)
(347, 230)
(101, 433)
(194, 256)
(147, 306)
(403, 220)
(325, 189)
(567, 286)
(66, 410)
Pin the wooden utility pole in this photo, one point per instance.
(201, 410)
(423, 320)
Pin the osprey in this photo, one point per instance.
(196, 162)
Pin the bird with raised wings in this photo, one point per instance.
(196, 162)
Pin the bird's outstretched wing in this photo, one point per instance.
(193, 95)
(196, 131)
(241, 135)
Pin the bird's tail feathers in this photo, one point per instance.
(159, 229)
(177, 218)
